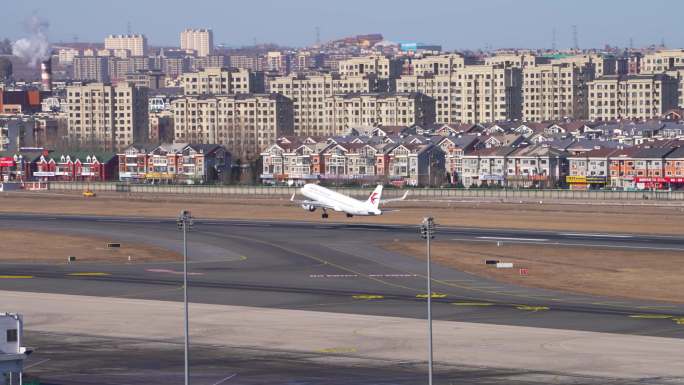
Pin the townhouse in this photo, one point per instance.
(589, 170)
(76, 166)
(175, 163)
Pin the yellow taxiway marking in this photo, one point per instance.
(434, 295)
(16, 276)
(368, 296)
(472, 304)
(679, 320)
(650, 316)
(88, 274)
(338, 350)
(531, 308)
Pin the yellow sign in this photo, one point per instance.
(576, 179)
(159, 175)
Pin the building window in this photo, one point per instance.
(12, 335)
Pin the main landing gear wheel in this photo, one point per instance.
(350, 215)
(324, 215)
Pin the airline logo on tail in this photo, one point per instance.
(373, 197)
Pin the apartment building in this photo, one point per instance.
(173, 67)
(473, 94)
(309, 94)
(638, 97)
(199, 41)
(377, 109)
(515, 60)
(439, 64)
(662, 61)
(244, 123)
(91, 68)
(107, 116)
(136, 45)
(602, 64)
(222, 81)
(383, 67)
(209, 61)
(278, 62)
(555, 91)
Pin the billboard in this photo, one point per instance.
(6, 161)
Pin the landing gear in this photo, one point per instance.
(350, 215)
(324, 215)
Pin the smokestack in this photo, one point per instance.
(46, 74)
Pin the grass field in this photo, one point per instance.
(650, 275)
(37, 246)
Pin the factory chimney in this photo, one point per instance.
(46, 74)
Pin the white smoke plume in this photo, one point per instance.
(34, 48)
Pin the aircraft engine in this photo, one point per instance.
(311, 208)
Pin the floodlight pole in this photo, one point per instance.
(184, 222)
(427, 232)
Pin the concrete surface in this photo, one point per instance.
(355, 338)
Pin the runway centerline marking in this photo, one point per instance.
(514, 239)
(596, 235)
(168, 271)
(88, 274)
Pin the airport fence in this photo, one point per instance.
(415, 193)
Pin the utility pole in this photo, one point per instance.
(185, 222)
(427, 232)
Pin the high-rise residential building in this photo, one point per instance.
(377, 109)
(602, 64)
(278, 62)
(174, 66)
(200, 41)
(249, 62)
(661, 61)
(515, 60)
(638, 97)
(308, 95)
(218, 81)
(135, 44)
(106, 116)
(119, 68)
(91, 68)
(555, 91)
(200, 63)
(381, 66)
(244, 123)
(439, 64)
(472, 94)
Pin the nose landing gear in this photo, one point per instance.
(324, 215)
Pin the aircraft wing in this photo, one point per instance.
(311, 203)
(385, 201)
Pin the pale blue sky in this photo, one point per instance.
(456, 24)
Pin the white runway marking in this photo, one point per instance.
(357, 275)
(597, 235)
(577, 244)
(515, 239)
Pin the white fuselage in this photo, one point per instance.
(337, 201)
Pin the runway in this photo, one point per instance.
(336, 267)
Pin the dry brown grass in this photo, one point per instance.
(38, 246)
(650, 275)
(566, 217)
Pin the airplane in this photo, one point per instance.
(326, 199)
